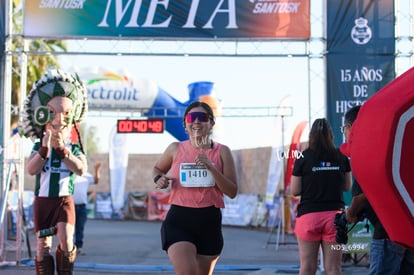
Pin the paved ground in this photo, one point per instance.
(133, 247)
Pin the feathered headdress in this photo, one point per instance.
(53, 83)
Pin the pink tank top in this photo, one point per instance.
(195, 197)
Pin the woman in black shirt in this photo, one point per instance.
(319, 178)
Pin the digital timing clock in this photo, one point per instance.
(151, 126)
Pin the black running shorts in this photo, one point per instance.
(200, 226)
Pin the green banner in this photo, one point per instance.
(212, 19)
(360, 59)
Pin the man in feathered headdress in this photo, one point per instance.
(57, 101)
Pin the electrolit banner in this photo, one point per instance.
(360, 59)
(209, 19)
(109, 90)
(118, 163)
(113, 91)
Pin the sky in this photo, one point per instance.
(247, 82)
(239, 82)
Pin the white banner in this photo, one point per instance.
(275, 170)
(118, 162)
(110, 90)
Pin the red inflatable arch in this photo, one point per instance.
(381, 148)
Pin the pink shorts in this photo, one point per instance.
(316, 226)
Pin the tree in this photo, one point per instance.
(90, 139)
(36, 64)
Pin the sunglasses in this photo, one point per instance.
(202, 117)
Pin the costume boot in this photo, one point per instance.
(65, 261)
(46, 266)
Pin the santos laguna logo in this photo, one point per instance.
(403, 146)
(361, 33)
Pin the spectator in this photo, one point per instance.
(319, 178)
(80, 198)
(386, 257)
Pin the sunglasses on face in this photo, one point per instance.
(202, 117)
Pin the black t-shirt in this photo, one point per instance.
(323, 182)
(369, 213)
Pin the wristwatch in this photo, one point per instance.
(157, 177)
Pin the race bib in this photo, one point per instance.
(193, 175)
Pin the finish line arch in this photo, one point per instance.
(310, 49)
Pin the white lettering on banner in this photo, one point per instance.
(361, 77)
(344, 105)
(272, 7)
(135, 7)
(360, 90)
(363, 74)
(232, 15)
(61, 4)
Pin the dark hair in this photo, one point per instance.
(351, 114)
(201, 104)
(321, 140)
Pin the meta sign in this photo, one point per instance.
(152, 126)
(209, 19)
